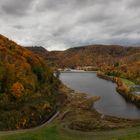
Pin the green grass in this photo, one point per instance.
(52, 132)
(128, 82)
(46, 133)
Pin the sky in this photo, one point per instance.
(61, 24)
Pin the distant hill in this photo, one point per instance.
(113, 59)
(28, 89)
(93, 55)
(38, 50)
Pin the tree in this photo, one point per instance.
(17, 90)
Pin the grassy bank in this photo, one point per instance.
(128, 82)
(53, 132)
(123, 87)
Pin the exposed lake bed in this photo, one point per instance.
(111, 103)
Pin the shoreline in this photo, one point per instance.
(78, 71)
(79, 113)
(122, 89)
(114, 80)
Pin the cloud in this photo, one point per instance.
(60, 24)
(15, 7)
(133, 4)
(18, 27)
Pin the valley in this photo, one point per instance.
(31, 95)
(69, 70)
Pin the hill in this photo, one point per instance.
(113, 59)
(49, 57)
(28, 89)
(39, 50)
(93, 55)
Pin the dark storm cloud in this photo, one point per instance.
(70, 4)
(133, 3)
(15, 7)
(19, 27)
(60, 24)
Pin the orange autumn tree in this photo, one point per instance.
(17, 89)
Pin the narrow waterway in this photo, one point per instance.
(111, 103)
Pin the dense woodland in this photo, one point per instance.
(28, 89)
(112, 59)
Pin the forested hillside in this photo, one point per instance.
(112, 59)
(28, 89)
(94, 55)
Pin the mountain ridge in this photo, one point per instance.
(79, 55)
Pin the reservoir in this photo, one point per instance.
(111, 102)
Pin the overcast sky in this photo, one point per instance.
(60, 24)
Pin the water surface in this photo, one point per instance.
(111, 103)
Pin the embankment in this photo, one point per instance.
(122, 88)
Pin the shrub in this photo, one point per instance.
(17, 90)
